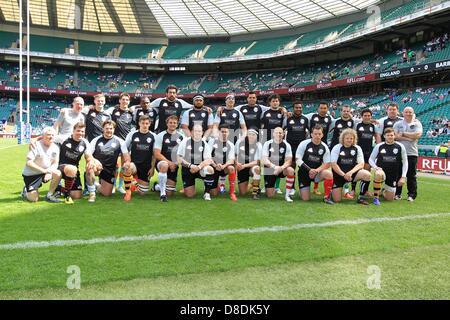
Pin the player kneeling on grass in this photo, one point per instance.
(140, 145)
(222, 152)
(347, 161)
(277, 159)
(194, 155)
(313, 160)
(70, 153)
(106, 149)
(385, 159)
(42, 167)
(248, 155)
(166, 146)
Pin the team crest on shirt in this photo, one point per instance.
(352, 152)
(395, 150)
(69, 145)
(316, 119)
(224, 149)
(252, 150)
(349, 123)
(149, 140)
(279, 116)
(234, 115)
(302, 121)
(383, 151)
(81, 148)
(326, 120)
(320, 152)
(281, 150)
(371, 129)
(200, 149)
(255, 109)
(203, 114)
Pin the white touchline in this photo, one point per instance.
(436, 183)
(168, 236)
(16, 145)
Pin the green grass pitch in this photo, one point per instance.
(315, 262)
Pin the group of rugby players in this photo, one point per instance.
(240, 142)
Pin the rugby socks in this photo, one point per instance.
(377, 188)
(162, 181)
(209, 181)
(327, 184)
(68, 184)
(354, 186)
(363, 187)
(91, 188)
(222, 181)
(277, 183)
(289, 184)
(127, 182)
(232, 181)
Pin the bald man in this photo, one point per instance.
(67, 119)
(408, 132)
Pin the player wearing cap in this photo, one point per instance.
(313, 159)
(140, 145)
(222, 152)
(385, 159)
(165, 150)
(276, 158)
(248, 156)
(347, 162)
(198, 114)
(194, 155)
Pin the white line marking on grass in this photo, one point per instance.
(436, 183)
(16, 145)
(167, 236)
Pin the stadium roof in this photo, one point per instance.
(180, 18)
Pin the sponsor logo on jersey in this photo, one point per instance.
(383, 151)
(342, 153)
(310, 150)
(292, 122)
(136, 139)
(69, 145)
(339, 126)
(167, 140)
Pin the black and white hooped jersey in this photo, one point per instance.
(347, 157)
(194, 152)
(140, 146)
(313, 155)
(221, 151)
(276, 153)
(168, 144)
(71, 151)
(107, 151)
(247, 152)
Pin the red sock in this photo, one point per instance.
(231, 181)
(327, 184)
(68, 184)
(289, 182)
(316, 185)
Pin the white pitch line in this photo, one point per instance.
(436, 183)
(168, 236)
(16, 145)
